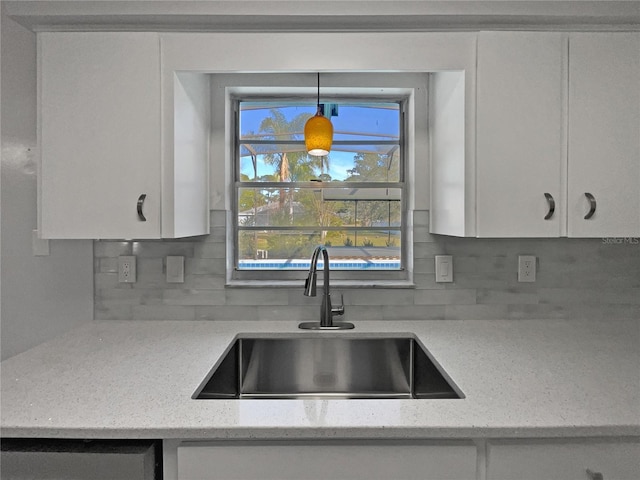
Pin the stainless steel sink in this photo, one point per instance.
(300, 366)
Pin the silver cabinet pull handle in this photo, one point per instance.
(594, 475)
(552, 206)
(141, 200)
(592, 206)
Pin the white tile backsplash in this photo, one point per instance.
(575, 278)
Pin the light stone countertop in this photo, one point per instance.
(134, 379)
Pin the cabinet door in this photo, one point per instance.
(604, 134)
(99, 131)
(337, 461)
(50, 459)
(561, 460)
(519, 139)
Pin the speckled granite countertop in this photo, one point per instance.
(134, 379)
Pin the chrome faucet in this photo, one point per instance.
(327, 311)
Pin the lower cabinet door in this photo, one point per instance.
(564, 460)
(335, 461)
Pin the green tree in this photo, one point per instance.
(250, 198)
(318, 212)
(277, 127)
(374, 167)
(295, 166)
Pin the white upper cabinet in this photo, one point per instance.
(99, 135)
(557, 139)
(604, 135)
(100, 138)
(519, 133)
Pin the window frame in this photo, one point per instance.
(283, 274)
(411, 86)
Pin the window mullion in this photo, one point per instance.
(252, 141)
(318, 185)
(318, 228)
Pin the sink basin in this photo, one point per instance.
(299, 366)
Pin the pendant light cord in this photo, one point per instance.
(318, 103)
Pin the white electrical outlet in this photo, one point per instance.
(526, 268)
(127, 269)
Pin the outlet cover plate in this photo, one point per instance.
(175, 269)
(127, 269)
(444, 268)
(526, 268)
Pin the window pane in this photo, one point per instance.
(375, 244)
(280, 163)
(278, 227)
(364, 121)
(274, 120)
(374, 126)
(315, 207)
(348, 249)
(365, 163)
(276, 246)
(347, 163)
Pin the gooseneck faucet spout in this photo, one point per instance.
(327, 311)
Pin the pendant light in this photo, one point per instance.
(318, 132)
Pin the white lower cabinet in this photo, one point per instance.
(340, 460)
(502, 459)
(564, 460)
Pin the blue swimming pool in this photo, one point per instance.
(301, 264)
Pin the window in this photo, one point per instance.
(353, 201)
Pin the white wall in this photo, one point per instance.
(41, 296)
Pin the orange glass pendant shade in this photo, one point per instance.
(318, 132)
(318, 135)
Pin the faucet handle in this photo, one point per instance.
(339, 310)
(310, 285)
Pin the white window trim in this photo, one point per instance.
(411, 86)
